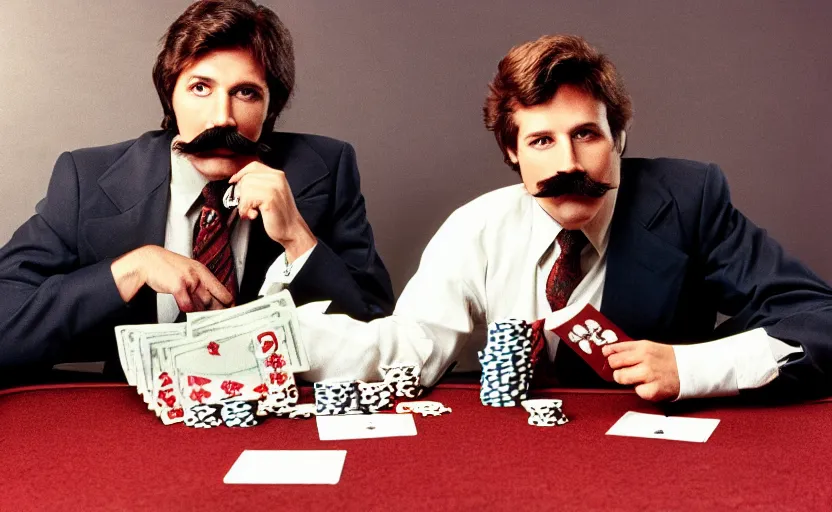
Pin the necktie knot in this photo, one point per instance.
(212, 194)
(571, 242)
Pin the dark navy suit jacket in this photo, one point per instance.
(58, 300)
(679, 253)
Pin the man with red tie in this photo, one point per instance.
(138, 232)
(654, 244)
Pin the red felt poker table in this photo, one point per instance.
(97, 447)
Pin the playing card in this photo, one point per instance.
(365, 426)
(586, 333)
(273, 312)
(287, 467)
(655, 426)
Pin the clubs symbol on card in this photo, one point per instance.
(425, 408)
(238, 413)
(204, 416)
(213, 348)
(591, 332)
(545, 412)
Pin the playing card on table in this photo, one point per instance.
(287, 467)
(656, 426)
(588, 331)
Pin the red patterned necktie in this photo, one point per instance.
(212, 242)
(562, 281)
(566, 272)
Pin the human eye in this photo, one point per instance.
(585, 134)
(248, 94)
(200, 89)
(541, 142)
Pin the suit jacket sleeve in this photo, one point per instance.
(48, 299)
(759, 285)
(345, 267)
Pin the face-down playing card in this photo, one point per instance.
(588, 331)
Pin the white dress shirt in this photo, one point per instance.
(490, 261)
(186, 184)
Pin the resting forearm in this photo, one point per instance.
(37, 320)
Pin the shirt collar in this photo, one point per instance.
(545, 229)
(186, 184)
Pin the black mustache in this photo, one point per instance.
(577, 183)
(221, 137)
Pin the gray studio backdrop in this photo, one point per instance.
(743, 84)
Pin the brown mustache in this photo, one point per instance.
(577, 183)
(221, 137)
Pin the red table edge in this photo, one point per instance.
(94, 385)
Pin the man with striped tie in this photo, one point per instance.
(654, 244)
(138, 232)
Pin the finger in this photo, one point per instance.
(624, 359)
(250, 201)
(254, 166)
(615, 348)
(202, 297)
(631, 375)
(183, 301)
(188, 281)
(649, 391)
(215, 288)
(247, 169)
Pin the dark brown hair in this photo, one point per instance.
(208, 25)
(532, 72)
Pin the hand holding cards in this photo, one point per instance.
(588, 331)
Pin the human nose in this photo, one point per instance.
(223, 113)
(566, 160)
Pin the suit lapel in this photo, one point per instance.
(644, 272)
(137, 188)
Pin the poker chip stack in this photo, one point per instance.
(506, 363)
(336, 398)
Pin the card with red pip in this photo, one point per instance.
(588, 331)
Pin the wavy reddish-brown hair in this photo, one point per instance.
(530, 75)
(208, 25)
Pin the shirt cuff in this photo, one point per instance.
(725, 366)
(281, 273)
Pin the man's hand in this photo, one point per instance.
(649, 366)
(265, 191)
(193, 286)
